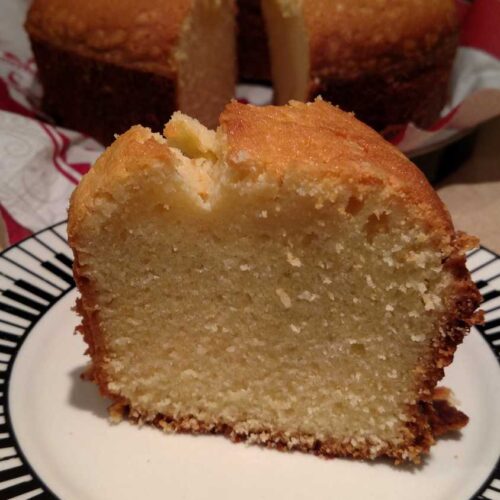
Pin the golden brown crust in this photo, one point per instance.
(139, 35)
(329, 142)
(388, 61)
(130, 152)
(353, 38)
(317, 137)
(445, 418)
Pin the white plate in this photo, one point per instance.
(55, 439)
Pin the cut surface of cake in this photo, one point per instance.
(290, 279)
(388, 61)
(107, 65)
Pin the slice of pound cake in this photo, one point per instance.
(290, 279)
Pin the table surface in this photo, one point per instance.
(472, 192)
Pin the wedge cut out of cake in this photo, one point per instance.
(289, 279)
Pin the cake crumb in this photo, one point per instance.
(116, 412)
(284, 297)
(294, 328)
(431, 301)
(292, 260)
(189, 373)
(388, 260)
(241, 156)
(307, 296)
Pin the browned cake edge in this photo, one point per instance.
(441, 418)
(101, 99)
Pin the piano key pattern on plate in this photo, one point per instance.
(484, 267)
(36, 273)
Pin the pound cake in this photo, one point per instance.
(389, 61)
(290, 279)
(107, 65)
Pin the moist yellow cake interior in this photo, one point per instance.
(206, 56)
(289, 49)
(292, 306)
